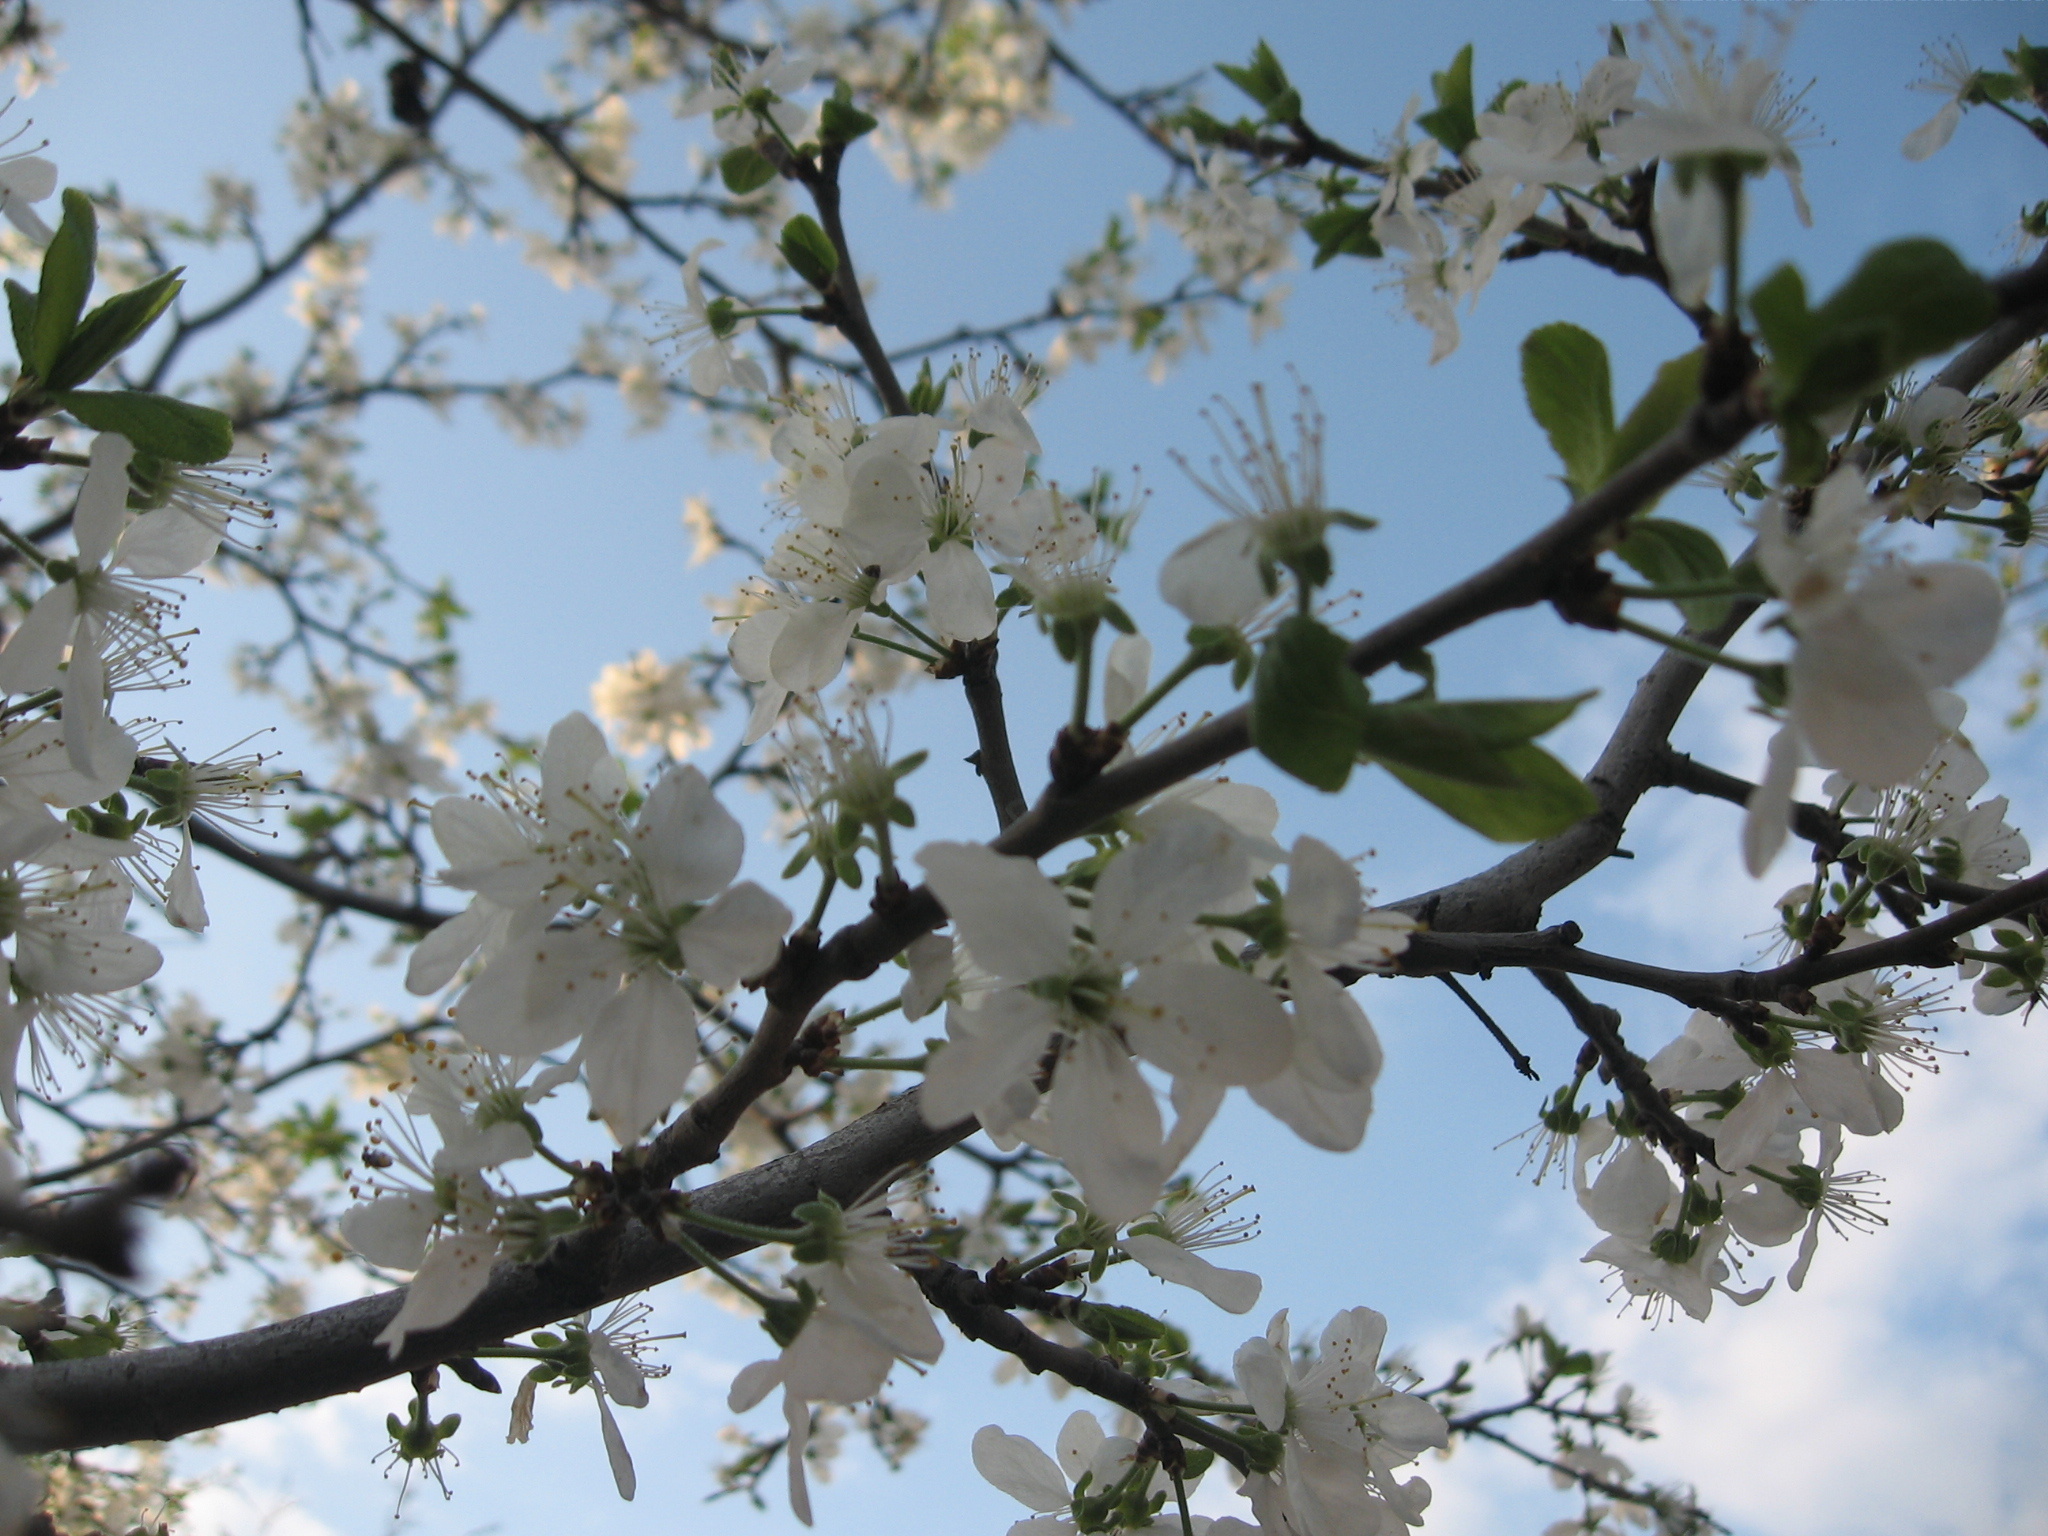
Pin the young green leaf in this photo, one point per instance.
(1547, 799)
(1452, 124)
(171, 429)
(1265, 82)
(1344, 230)
(1462, 739)
(1564, 376)
(67, 279)
(21, 314)
(1307, 703)
(840, 121)
(1664, 405)
(112, 328)
(809, 251)
(745, 170)
(1674, 554)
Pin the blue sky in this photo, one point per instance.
(572, 559)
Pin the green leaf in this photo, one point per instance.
(1779, 305)
(1415, 736)
(1673, 554)
(1905, 301)
(21, 314)
(809, 251)
(1804, 460)
(1564, 376)
(1264, 81)
(1547, 799)
(67, 279)
(745, 170)
(1307, 703)
(1462, 739)
(171, 429)
(1664, 405)
(1345, 230)
(840, 121)
(111, 329)
(1451, 124)
(1920, 291)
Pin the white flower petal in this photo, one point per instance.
(738, 935)
(690, 843)
(1234, 1290)
(639, 1053)
(1018, 1467)
(1014, 920)
(1207, 1022)
(391, 1231)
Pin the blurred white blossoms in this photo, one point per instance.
(649, 703)
(705, 330)
(1951, 74)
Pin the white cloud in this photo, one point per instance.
(1905, 1390)
(223, 1509)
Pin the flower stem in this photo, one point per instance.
(33, 701)
(1189, 665)
(673, 1230)
(867, 1015)
(884, 850)
(928, 659)
(1762, 671)
(745, 1229)
(831, 883)
(33, 555)
(1683, 590)
(885, 611)
(878, 1063)
(1084, 676)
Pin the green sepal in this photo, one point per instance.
(745, 169)
(1548, 799)
(1307, 703)
(171, 429)
(113, 328)
(1452, 124)
(809, 251)
(67, 280)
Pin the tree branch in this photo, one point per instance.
(325, 893)
(993, 760)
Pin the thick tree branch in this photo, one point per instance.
(159, 1394)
